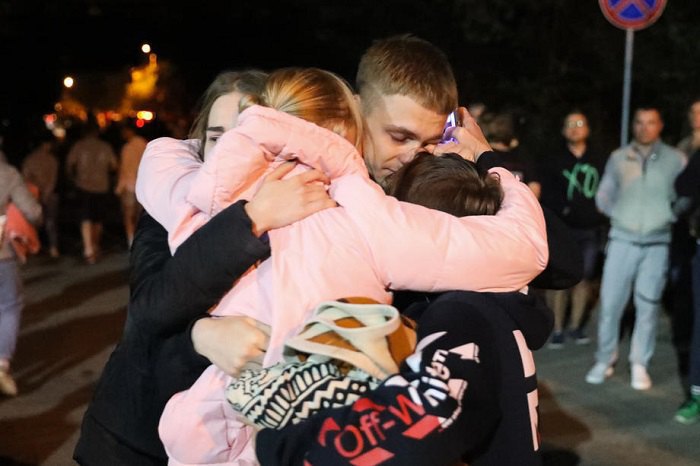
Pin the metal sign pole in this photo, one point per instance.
(626, 86)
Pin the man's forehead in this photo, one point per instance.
(403, 113)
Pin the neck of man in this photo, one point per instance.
(644, 149)
(500, 146)
(696, 138)
(577, 148)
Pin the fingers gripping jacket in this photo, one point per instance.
(371, 338)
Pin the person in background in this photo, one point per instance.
(569, 183)
(679, 294)
(129, 160)
(688, 186)
(637, 193)
(691, 143)
(12, 190)
(3, 157)
(40, 168)
(89, 164)
(503, 139)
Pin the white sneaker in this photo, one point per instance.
(640, 378)
(599, 372)
(7, 384)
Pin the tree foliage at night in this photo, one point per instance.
(539, 58)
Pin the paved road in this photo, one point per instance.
(74, 316)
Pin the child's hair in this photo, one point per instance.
(315, 95)
(409, 66)
(247, 82)
(448, 183)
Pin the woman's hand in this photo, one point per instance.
(231, 343)
(280, 202)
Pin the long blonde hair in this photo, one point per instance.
(315, 95)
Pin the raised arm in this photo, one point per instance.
(422, 249)
(168, 292)
(166, 172)
(264, 138)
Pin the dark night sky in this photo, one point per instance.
(43, 41)
(544, 56)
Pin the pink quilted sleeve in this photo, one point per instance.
(166, 172)
(263, 137)
(422, 249)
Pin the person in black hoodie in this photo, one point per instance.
(688, 184)
(467, 393)
(569, 182)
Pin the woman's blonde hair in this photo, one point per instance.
(315, 95)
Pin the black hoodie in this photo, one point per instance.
(469, 392)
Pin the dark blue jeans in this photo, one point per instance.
(11, 304)
(695, 341)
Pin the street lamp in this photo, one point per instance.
(146, 48)
(68, 82)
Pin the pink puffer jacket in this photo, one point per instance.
(371, 243)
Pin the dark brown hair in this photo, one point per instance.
(448, 183)
(247, 82)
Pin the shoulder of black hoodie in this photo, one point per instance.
(565, 266)
(688, 181)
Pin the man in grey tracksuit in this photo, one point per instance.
(637, 193)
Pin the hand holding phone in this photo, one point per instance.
(470, 142)
(452, 121)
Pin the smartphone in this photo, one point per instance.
(452, 121)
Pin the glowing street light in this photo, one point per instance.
(144, 115)
(68, 82)
(146, 48)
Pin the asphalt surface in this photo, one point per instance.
(73, 318)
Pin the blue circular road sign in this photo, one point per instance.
(632, 14)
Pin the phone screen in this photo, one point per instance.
(452, 121)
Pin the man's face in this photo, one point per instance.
(396, 128)
(575, 128)
(222, 117)
(694, 116)
(647, 126)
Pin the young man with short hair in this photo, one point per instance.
(404, 107)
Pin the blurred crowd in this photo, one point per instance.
(634, 212)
